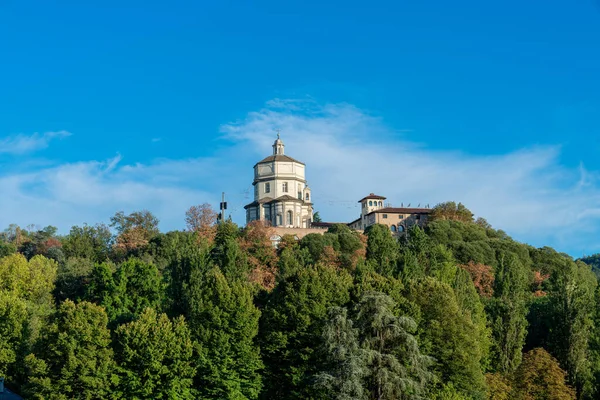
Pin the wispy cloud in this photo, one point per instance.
(21, 143)
(348, 153)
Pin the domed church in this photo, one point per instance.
(281, 194)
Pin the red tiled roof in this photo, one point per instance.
(402, 210)
(372, 196)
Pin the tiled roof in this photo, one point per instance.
(402, 210)
(279, 158)
(372, 196)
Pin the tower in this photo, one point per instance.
(281, 194)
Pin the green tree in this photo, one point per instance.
(88, 242)
(155, 358)
(345, 363)
(292, 326)
(13, 320)
(449, 335)
(451, 211)
(73, 358)
(133, 287)
(72, 278)
(397, 369)
(507, 311)
(317, 217)
(382, 249)
(224, 321)
(571, 301)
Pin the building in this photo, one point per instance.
(398, 219)
(281, 194)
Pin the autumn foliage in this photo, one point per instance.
(483, 277)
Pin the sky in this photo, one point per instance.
(129, 105)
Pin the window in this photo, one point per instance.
(380, 203)
(285, 187)
(385, 216)
(289, 217)
(267, 187)
(393, 228)
(370, 202)
(300, 195)
(279, 222)
(307, 197)
(400, 216)
(256, 191)
(400, 228)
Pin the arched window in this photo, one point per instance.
(307, 196)
(370, 202)
(289, 217)
(380, 203)
(393, 228)
(400, 228)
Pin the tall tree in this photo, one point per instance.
(345, 365)
(507, 311)
(449, 335)
(397, 369)
(155, 358)
(224, 321)
(88, 242)
(382, 249)
(134, 230)
(73, 358)
(292, 325)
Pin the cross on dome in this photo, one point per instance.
(278, 146)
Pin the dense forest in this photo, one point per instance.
(456, 310)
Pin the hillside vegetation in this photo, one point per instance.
(455, 311)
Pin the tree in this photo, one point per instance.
(13, 319)
(382, 249)
(31, 280)
(539, 377)
(133, 287)
(317, 217)
(571, 300)
(73, 358)
(345, 362)
(72, 278)
(134, 230)
(450, 336)
(507, 311)
(88, 242)
(155, 358)
(451, 211)
(291, 328)
(397, 369)
(224, 322)
(202, 219)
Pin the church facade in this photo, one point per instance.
(282, 197)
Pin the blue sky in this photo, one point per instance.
(108, 106)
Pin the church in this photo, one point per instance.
(281, 193)
(282, 199)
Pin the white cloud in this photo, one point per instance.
(349, 153)
(21, 144)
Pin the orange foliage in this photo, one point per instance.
(538, 281)
(262, 256)
(483, 277)
(330, 257)
(202, 219)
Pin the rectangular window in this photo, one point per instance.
(400, 216)
(385, 216)
(285, 187)
(300, 195)
(267, 187)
